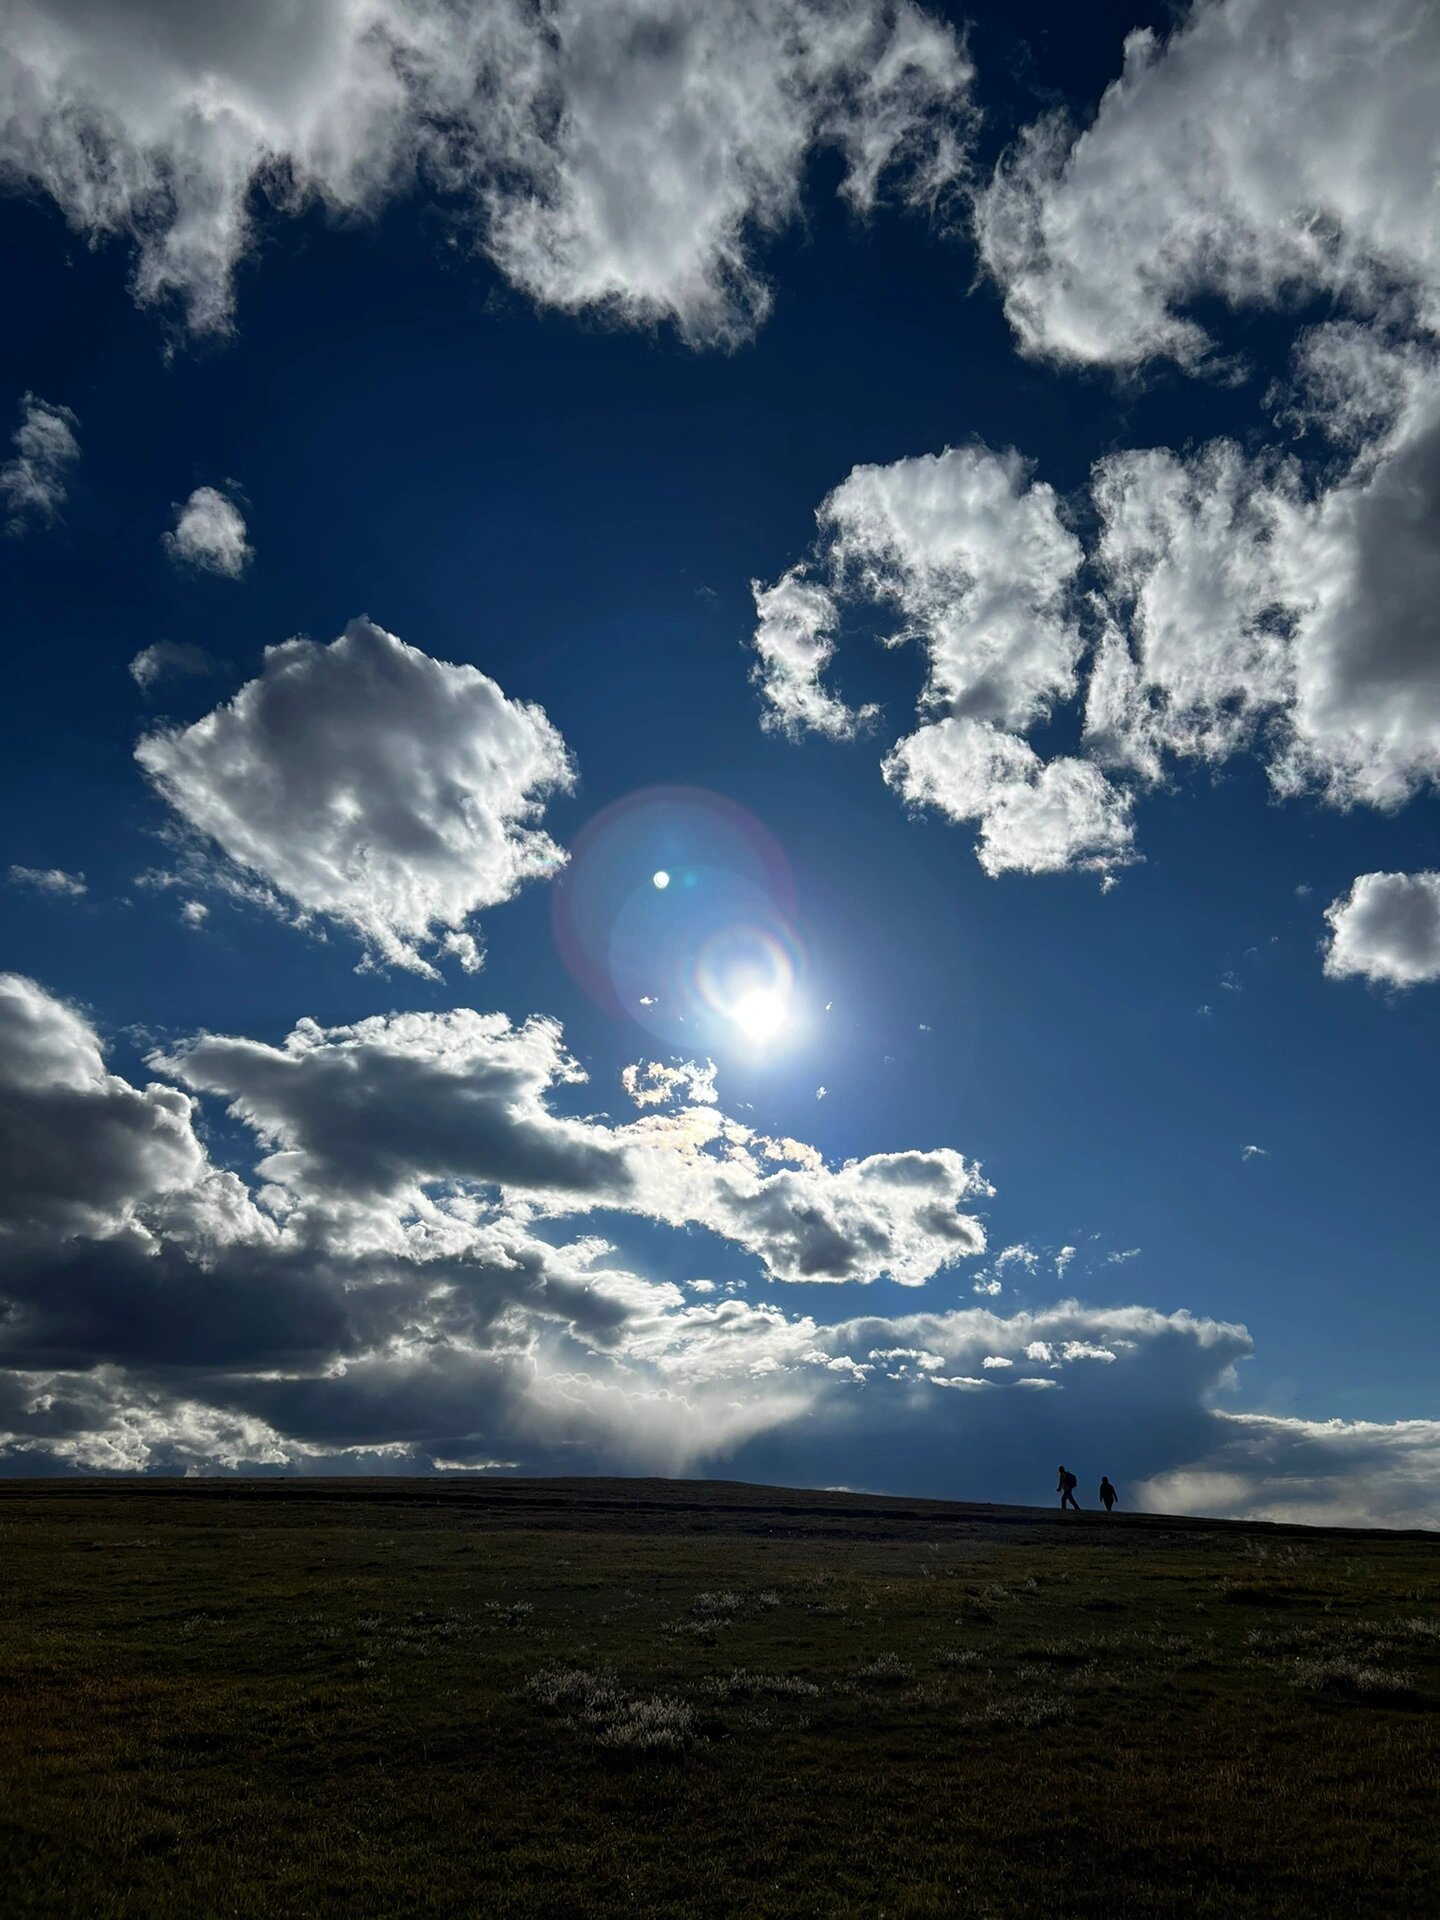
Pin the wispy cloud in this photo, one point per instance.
(34, 483)
(50, 880)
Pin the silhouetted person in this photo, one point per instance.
(1108, 1495)
(1066, 1491)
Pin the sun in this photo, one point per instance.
(759, 1013)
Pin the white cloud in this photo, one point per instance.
(209, 536)
(1042, 1381)
(974, 560)
(1387, 929)
(33, 484)
(990, 1287)
(1086, 1350)
(796, 617)
(1270, 608)
(1263, 151)
(1268, 617)
(170, 657)
(622, 156)
(391, 1109)
(1364, 580)
(1034, 816)
(50, 880)
(1252, 1153)
(1018, 1255)
(1118, 1259)
(994, 1361)
(194, 913)
(1189, 550)
(1063, 1259)
(978, 565)
(651, 1083)
(371, 784)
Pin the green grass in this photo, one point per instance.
(659, 1698)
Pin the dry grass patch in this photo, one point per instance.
(596, 1705)
(1351, 1679)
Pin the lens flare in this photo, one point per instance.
(677, 909)
(760, 1014)
(746, 974)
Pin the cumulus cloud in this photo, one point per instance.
(1256, 612)
(210, 535)
(1386, 929)
(1246, 605)
(1214, 167)
(373, 785)
(1035, 816)
(972, 558)
(84, 1153)
(54, 880)
(1261, 603)
(393, 1292)
(1189, 550)
(380, 1113)
(382, 1286)
(792, 638)
(623, 158)
(975, 561)
(34, 482)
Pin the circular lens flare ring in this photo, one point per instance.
(746, 973)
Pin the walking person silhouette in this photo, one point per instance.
(1108, 1495)
(1066, 1491)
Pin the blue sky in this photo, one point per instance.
(637, 432)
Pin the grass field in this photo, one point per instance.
(652, 1697)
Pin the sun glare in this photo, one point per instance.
(661, 879)
(760, 1014)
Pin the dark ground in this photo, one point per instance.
(508, 1697)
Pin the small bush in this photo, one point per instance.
(652, 1725)
(596, 1703)
(574, 1689)
(728, 1686)
(1353, 1679)
(886, 1669)
(714, 1606)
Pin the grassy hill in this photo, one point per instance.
(507, 1698)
